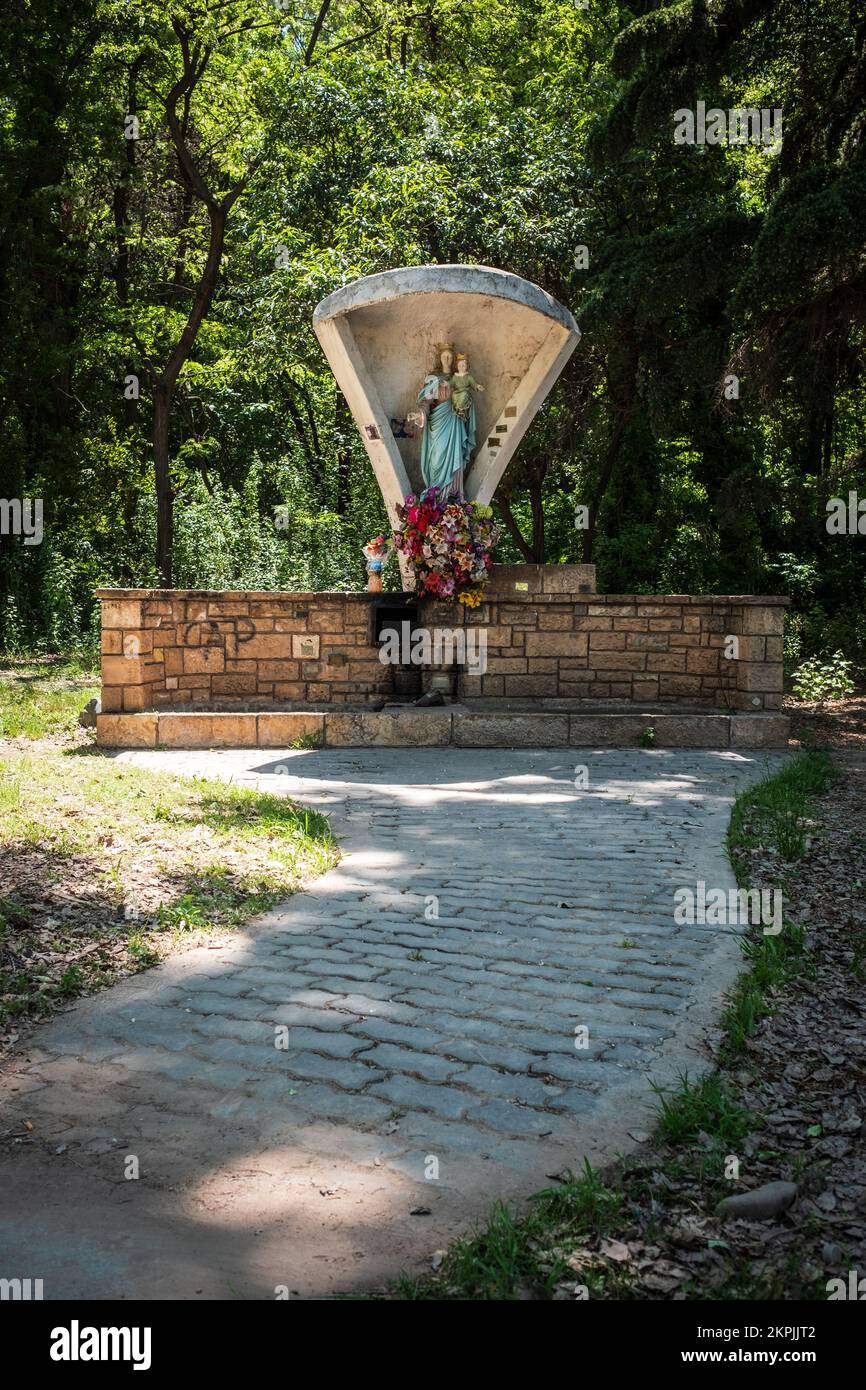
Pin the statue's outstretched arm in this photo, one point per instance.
(425, 398)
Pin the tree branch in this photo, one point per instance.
(513, 529)
(317, 29)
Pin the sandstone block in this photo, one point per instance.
(517, 616)
(121, 613)
(126, 730)
(593, 624)
(511, 731)
(667, 661)
(623, 661)
(607, 641)
(278, 670)
(646, 689)
(203, 660)
(530, 685)
(556, 644)
(679, 685)
(770, 620)
(232, 683)
(124, 670)
(506, 665)
(269, 646)
(760, 730)
(287, 690)
(229, 608)
(429, 728)
(760, 676)
(606, 730)
(703, 661)
(568, 579)
(277, 729)
(692, 730)
(137, 697)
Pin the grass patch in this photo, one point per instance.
(43, 699)
(314, 740)
(706, 1106)
(514, 1256)
(772, 815)
(775, 812)
(773, 961)
(699, 1124)
(104, 867)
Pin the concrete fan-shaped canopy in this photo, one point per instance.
(378, 335)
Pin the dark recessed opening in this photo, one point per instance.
(392, 611)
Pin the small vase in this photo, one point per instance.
(374, 576)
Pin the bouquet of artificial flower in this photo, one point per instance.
(447, 541)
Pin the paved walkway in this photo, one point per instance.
(488, 915)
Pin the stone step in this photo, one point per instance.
(438, 727)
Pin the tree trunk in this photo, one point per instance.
(163, 392)
(622, 393)
(514, 530)
(162, 473)
(536, 484)
(603, 484)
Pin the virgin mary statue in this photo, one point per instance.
(448, 435)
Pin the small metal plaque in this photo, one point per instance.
(305, 648)
(521, 586)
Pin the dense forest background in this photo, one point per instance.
(181, 183)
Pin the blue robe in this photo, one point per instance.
(447, 441)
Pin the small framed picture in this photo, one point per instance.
(371, 432)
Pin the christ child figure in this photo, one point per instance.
(462, 387)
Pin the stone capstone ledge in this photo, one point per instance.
(440, 727)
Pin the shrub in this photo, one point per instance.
(823, 678)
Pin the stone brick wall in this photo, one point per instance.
(194, 649)
(184, 649)
(634, 647)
